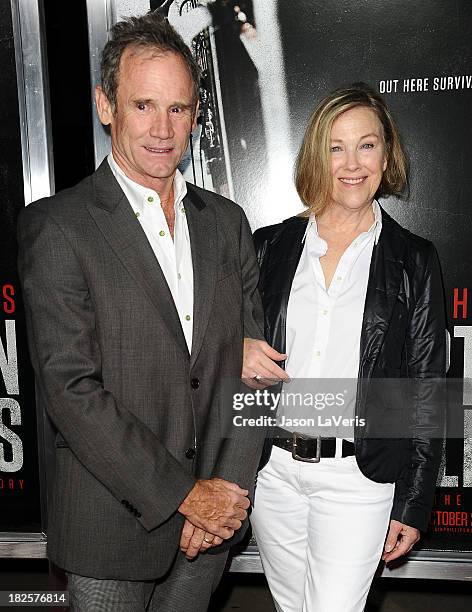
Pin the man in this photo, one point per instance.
(139, 289)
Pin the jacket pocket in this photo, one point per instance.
(60, 442)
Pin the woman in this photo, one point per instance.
(347, 293)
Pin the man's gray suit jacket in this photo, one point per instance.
(128, 400)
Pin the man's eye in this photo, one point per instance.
(176, 109)
(141, 106)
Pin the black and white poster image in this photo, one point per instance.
(266, 65)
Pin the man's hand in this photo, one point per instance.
(400, 540)
(216, 506)
(194, 540)
(259, 369)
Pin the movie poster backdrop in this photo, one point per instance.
(19, 476)
(418, 55)
(276, 59)
(268, 63)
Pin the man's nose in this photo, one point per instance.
(161, 126)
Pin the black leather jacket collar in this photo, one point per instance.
(285, 244)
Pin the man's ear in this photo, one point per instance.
(195, 115)
(103, 105)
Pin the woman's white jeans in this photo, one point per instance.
(320, 529)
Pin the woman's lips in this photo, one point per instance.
(353, 181)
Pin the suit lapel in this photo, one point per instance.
(203, 239)
(385, 276)
(117, 222)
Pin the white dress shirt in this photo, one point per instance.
(174, 256)
(324, 325)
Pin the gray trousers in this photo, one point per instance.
(187, 587)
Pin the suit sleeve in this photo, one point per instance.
(253, 313)
(110, 441)
(426, 361)
(241, 450)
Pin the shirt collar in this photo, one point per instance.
(377, 224)
(375, 228)
(138, 194)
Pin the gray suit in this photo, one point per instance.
(130, 404)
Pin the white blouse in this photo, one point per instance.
(324, 325)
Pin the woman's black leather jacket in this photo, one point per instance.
(403, 337)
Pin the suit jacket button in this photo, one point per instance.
(194, 383)
(190, 453)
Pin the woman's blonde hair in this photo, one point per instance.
(313, 178)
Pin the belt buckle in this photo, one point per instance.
(316, 458)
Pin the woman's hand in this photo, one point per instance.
(400, 540)
(259, 367)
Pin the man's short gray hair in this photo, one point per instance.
(152, 31)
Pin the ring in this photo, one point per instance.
(257, 377)
(207, 541)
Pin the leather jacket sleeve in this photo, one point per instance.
(426, 365)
